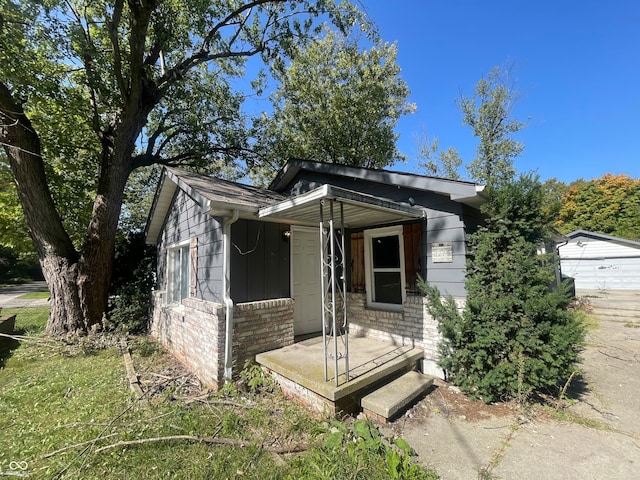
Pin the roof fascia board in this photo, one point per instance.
(156, 219)
(204, 203)
(602, 236)
(348, 196)
(456, 190)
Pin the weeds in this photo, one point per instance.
(360, 451)
(565, 416)
(563, 390)
(146, 347)
(255, 378)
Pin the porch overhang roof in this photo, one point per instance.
(359, 209)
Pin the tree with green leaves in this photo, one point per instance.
(93, 91)
(17, 259)
(515, 335)
(336, 103)
(489, 112)
(13, 230)
(438, 162)
(553, 193)
(609, 204)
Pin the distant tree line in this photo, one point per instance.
(609, 205)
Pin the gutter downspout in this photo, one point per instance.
(226, 288)
(558, 268)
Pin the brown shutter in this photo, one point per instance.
(163, 270)
(357, 262)
(193, 274)
(412, 234)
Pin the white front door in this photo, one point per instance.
(305, 266)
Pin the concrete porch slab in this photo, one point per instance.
(370, 361)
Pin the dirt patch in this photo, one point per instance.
(163, 378)
(446, 400)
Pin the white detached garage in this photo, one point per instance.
(601, 262)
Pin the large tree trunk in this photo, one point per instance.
(78, 282)
(96, 260)
(54, 247)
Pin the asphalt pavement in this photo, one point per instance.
(9, 295)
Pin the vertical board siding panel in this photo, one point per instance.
(260, 263)
(239, 262)
(272, 243)
(285, 264)
(255, 259)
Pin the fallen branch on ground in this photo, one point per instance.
(134, 382)
(40, 340)
(207, 400)
(81, 444)
(212, 440)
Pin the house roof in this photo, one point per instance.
(214, 195)
(602, 236)
(220, 198)
(463, 192)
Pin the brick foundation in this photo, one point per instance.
(194, 333)
(413, 326)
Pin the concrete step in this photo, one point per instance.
(389, 400)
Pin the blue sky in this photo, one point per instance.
(579, 72)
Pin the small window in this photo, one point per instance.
(177, 273)
(384, 265)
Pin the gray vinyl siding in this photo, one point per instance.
(260, 268)
(601, 264)
(184, 221)
(445, 222)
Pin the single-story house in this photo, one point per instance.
(600, 262)
(326, 248)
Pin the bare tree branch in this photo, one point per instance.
(227, 20)
(71, 447)
(112, 27)
(87, 61)
(178, 72)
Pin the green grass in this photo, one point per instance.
(30, 320)
(56, 396)
(34, 295)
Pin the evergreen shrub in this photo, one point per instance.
(515, 334)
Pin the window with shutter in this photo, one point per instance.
(411, 237)
(384, 267)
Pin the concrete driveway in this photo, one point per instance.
(599, 440)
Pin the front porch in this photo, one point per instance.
(299, 370)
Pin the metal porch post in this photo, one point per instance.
(334, 321)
